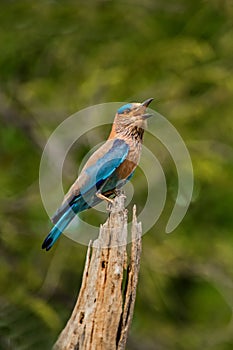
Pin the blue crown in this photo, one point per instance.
(123, 108)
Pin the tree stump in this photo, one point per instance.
(104, 308)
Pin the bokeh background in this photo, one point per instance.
(57, 57)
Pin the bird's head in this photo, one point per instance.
(132, 115)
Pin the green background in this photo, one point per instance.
(57, 57)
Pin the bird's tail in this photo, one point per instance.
(58, 228)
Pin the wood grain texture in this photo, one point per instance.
(104, 308)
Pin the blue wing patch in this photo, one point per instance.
(97, 175)
(106, 165)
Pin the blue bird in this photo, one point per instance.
(109, 168)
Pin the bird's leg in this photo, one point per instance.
(101, 195)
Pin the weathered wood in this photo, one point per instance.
(104, 309)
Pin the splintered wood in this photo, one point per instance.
(104, 309)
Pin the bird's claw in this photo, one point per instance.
(118, 192)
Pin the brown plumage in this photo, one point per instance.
(108, 168)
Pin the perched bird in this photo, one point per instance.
(109, 168)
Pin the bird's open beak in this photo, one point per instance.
(147, 102)
(147, 115)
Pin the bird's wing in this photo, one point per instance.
(97, 170)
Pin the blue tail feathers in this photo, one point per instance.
(57, 230)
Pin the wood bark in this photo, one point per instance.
(104, 309)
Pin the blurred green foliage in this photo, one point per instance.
(57, 57)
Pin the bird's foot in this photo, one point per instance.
(101, 196)
(118, 192)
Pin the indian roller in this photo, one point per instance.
(108, 168)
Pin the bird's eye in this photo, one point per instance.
(127, 110)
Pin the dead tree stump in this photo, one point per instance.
(104, 309)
